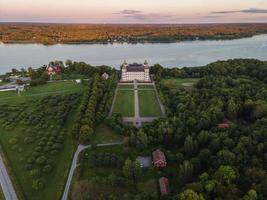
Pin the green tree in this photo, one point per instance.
(132, 170)
(226, 174)
(189, 195)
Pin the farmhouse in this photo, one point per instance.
(135, 71)
(159, 159)
(53, 69)
(164, 186)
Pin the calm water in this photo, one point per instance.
(194, 53)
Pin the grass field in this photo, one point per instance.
(125, 86)
(148, 103)
(179, 82)
(104, 134)
(124, 103)
(40, 91)
(145, 87)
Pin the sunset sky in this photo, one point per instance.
(133, 11)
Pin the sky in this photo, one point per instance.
(133, 11)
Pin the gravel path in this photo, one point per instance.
(6, 184)
(74, 164)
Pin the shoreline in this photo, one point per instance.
(132, 43)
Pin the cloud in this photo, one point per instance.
(250, 10)
(142, 16)
(128, 12)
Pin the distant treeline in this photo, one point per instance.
(109, 33)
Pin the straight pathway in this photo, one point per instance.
(162, 108)
(6, 184)
(137, 122)
(113, 102)
(74, 165)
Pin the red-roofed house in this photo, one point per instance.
(53, 69)
(164, 186)
(225, 124)
(159, 159)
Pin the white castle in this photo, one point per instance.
(132, 72)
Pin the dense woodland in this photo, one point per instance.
(108, 33)
(215, 163)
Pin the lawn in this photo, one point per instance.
(104, 134)
(67, 87)
(125, 86)
(124, 103)
(36, 142)
(145, 87)
(148, 104)
(175, 83)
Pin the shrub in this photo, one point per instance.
(41, 160)
(35, 173)
(47, 169)
(38, 184)
(13, 141)
(28, 166)
(28, 140)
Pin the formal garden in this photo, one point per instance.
(148, 103)
(124, 103)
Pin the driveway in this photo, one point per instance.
(74, 164)
(6, 184)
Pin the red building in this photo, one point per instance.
(225, 124)
(53, 69)
(164, 186)
(159, 159)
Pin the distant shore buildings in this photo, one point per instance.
(135, 72)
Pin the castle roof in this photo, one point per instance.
(135, 67)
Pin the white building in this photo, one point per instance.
(132, 72)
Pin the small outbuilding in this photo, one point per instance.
(159, 159)
(225, 124)
(105, 76)
(164, 186)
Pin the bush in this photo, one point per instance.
(28, 140)
(41, 160)
(38, 184)
(13, 141)
(35, 173)
(47, 169)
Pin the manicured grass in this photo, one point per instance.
(148, 104)
(124, 103)
(104, 134)
(145, 87)
(125, 86)
(67, 87)
(179, 82)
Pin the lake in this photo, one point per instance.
(180, 54)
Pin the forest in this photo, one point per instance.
(124, 33)
(214, 162)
